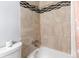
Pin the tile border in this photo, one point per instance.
(56, 6)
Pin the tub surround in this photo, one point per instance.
(44, 25)
(30, 29)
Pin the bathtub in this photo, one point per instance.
(44, 52)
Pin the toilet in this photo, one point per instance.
(11, 52)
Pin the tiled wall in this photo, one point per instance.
(55, 29)
(30, 30)
(51, 28)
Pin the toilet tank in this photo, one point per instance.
(11, 52)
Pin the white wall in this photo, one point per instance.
(73, 29)
(9, 21)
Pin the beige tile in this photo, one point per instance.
(30, 27)
(52, 28)
(55, 29)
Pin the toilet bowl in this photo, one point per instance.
(11, 52)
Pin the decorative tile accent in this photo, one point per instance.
(45, 9)
(31, 7)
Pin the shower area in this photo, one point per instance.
(45, 23)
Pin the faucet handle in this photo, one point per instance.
(36, 43)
